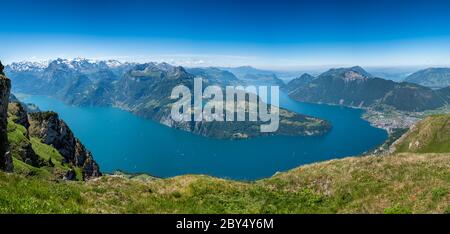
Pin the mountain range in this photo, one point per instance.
(40, 153)
(357, 88)
(40, 143)
(431, 77)
(145, 90)
(253, 76)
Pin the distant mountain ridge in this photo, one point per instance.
(80, 64)
(215, 75)
(6, 162)
(325, 187)
(145, 90)
(431, 77)
(352, 73)
(40, 142)
(77, 81)
(253, 76)
(299, 82)
(355, 87)
(61, 76)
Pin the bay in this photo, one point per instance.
(120, 140)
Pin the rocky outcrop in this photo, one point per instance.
(22, 148)
(1, 69)
(70, 175)
(18, 113)
(27, 155)
(54, 131)
(5, 155)
(145, 90)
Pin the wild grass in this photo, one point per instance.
(408, 182)
(17, 136)
(403, 183)
(430, 135)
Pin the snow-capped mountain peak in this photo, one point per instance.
(113, 63)
(28, 66)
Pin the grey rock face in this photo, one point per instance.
(21, 117)
(18, 114)
(70, 175)
(1, 69)
(5, 155)
(53, 131)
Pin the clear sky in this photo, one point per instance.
(266, 34)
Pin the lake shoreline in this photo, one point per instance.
(179, 153)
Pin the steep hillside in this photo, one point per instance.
(39, 143)
(398, 183)
(355, 87)
(431, 77)
(18, 137)
(215, 75)
(404, 183)
(299, 82)
(51, 130)
(5, 156)
(445, 93)
(145, 89)
(262, 79)
(252, 76)
(431, 134)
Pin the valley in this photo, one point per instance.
(363, 184)
(147, 146)
(145, 90)
(233, 111)
(389, 105)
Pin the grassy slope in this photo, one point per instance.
(17, 138)
(404, 183)
(429, 135)
(400, 183)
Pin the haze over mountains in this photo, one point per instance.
(141, 88)
(40, 143)
(355, 87)
(145, 90)
(253, 76)
(431, 77)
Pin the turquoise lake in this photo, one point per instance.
(120, 140)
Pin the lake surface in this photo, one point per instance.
(121, 140)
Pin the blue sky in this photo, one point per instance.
(266, 34)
